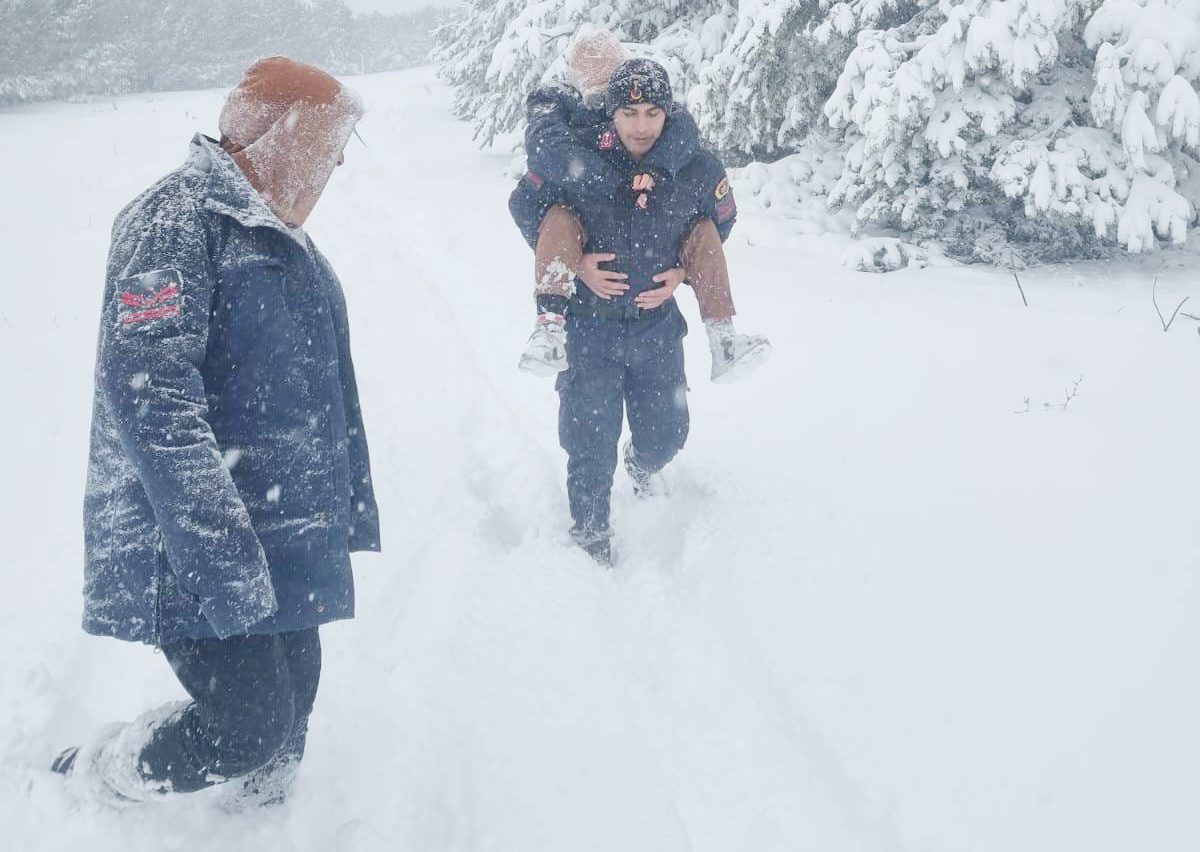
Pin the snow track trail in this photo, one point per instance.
(878, 611)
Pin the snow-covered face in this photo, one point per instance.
(286, 125)
(639, 126)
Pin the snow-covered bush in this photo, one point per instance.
(883, 254)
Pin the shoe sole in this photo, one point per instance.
(752, 360)
(538, 368)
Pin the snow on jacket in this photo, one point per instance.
(228, 478)
(586, 167)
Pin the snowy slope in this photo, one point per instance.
(880, 610)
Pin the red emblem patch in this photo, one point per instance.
(535, 179)
(608, 140)
(726, 207)
(150, 296)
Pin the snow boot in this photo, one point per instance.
(646, 483)
(266, 787)
(546, 352)
(105, 771)
(734, 355)
(595, 543)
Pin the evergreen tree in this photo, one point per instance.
(65, 48)
(959, 108)
(762, 94)
(493, 54)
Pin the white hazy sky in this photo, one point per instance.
(395, 5)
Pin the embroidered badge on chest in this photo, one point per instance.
(149, 298)
(607, 140)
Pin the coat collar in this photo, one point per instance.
(229, 193)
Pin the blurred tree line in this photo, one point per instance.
(57, 49)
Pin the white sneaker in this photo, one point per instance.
(546, 352)
(734, 355)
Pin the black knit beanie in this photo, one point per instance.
(639, 81)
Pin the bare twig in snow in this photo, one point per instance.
(1012, 266)
(1068, 395)
(1072, 393)
(1166, 323)
(1026, 409)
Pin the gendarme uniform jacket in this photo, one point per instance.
(228, 479)
(578, 160)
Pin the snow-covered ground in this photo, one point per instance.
(901, 597)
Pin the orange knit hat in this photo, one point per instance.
(286, 125)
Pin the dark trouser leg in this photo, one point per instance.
(271, 782)
(589, 426)
(656, 397)
(246, 704)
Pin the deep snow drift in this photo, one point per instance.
(885, 607)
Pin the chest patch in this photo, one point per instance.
(148, 297)
(608, 140)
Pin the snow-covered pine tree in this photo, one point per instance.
(1147, 73)
(464, 46)
(963, 106)
(762, 94)
(494, 53)
(63, 48)
(1059, 125)
(24, 26)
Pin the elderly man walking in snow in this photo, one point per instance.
(228, 480)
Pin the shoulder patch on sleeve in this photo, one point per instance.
(534, 179)
(722, 189)
(149, 298)
(726, 206)
(608, 140)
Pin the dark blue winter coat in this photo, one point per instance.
(576, 158)
(228, 479)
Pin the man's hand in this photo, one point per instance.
(670, 281)
(602, 282)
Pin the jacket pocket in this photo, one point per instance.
(565, 378)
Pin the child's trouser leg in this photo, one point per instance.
(703, 257)
(557, 260)
(558, 256)
(733, 355)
